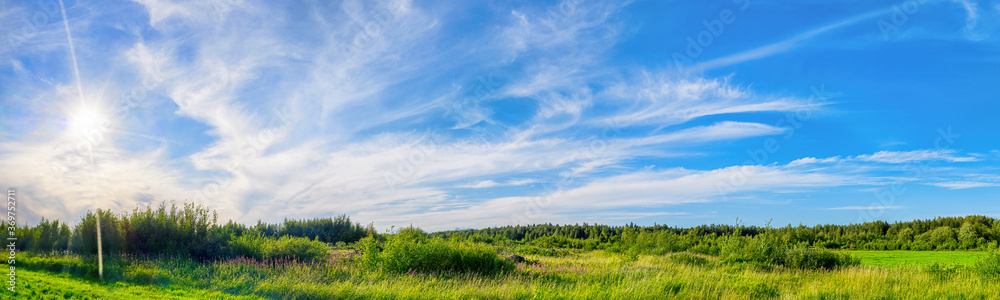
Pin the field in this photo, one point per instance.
(334, 258)
(48, 285)
(572, 275)
(917, 258)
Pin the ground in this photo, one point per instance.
(578, 275)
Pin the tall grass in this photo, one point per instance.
(989, 267)
(584, 275)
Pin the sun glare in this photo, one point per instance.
(85, 120)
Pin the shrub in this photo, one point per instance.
(765, 250)
(327, 230)
(805, 258)
(762, 250)
(296, 247)
(250, 245)
(411, 250)
(257, 246)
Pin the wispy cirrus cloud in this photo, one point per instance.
(895, 157)
(875, 207)
(402, 112)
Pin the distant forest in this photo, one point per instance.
(944, 233)
(192, 230)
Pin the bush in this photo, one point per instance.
(767, 251)
(804, 258)
(257, 246)
(762, 250)
(327, 230)
(411, 250)
(298, 248)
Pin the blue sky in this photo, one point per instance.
(448, 114)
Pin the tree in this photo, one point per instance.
(942, 238)
(968, 235)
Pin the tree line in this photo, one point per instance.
(189, 230)
(193, 230)
(943, 233)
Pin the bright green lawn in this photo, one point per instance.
(46, 285)
(902, 258)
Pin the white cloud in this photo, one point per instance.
(480, 185)
(972, 17)
(786, 44)
(873, 207)
(898, 157)
(656, 99)
(958, 185)
(893, 157)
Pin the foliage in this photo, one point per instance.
(535, 250)
(173, 231)
(811, 259)
(260, 247)
(327, 230)
(189, 230)
(689, 258)
(989, 267)
(46, 236)
(410, 250)
(946, 233)
(767, 250)
(588, 275)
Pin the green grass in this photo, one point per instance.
(47, 285)
(917, 258)
(579, 275)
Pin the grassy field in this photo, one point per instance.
(917, 258)
(47, 285)
(578, 275)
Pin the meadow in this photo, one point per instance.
(918, 258)
(183, 253)
(574, 275)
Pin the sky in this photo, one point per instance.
(473, 114)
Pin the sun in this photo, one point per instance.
(85, 120)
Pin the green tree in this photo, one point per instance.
(968, 235)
